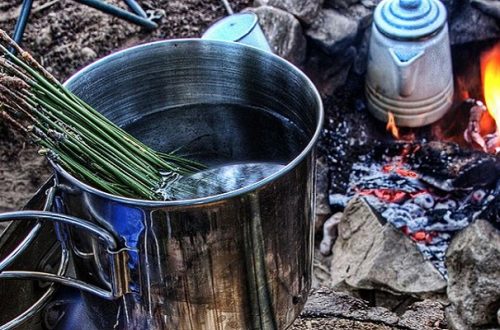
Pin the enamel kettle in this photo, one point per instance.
(409, 62)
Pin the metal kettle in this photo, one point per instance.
(409, 62)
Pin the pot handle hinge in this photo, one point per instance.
(121, 273)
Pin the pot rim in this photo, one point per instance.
(214, 198)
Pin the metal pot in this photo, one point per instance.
(238, 260)
(409, 62)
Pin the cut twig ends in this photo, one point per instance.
(76, 136)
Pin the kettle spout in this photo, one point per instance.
(407, 65)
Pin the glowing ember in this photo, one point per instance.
(490, 71)
(391, 125)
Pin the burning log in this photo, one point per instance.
(483, 128)
(472, 133)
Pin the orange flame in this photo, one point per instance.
(490, 73)
(462, 89)
(391, 125)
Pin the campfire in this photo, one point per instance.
(429, 183)
(483, 130)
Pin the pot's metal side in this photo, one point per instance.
(242, 263)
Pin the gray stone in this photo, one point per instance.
(361, 14)
(336, 30)
(340, 3)
(361, 60)
(88, 54)
(424, 315)
(306, 11)
(468, 24)
(330, 233)
(325, 307)
(283, 32)
(329, 72)
(322, 208)
(488, 7)
(324, 301)
(473, 261)
(371, 4)
(371, 255)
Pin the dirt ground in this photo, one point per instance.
(65, 36)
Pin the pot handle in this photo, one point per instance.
(118, 258)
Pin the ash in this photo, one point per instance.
(429, 191)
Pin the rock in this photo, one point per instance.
(87, 54)
(330, 234)
(371, 4)
(340, 3)
(332, 322)
(333, 31)
(321, 269)
(473, 261)
(468, 24)
(424, 315)
(371, 255)
(322, 208)
(329, 72)
(396, 303)
(361, 60)
(283, 32)
(326, 309)
(325, 302)
(361, 14)
(306, 11)
(488, 7)
(336, 30)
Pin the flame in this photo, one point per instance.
(391, 125)
(490, 73)
(462, 89)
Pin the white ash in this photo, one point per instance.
(425, 209)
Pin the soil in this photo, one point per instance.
(65, 36)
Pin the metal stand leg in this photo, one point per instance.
(139, 18)
(120, 13)
(136, 8)
(22, 20)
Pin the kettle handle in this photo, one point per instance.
(407, 65)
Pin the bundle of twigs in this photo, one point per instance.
(74, 135)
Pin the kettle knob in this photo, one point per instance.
(410, 4)
(409, 19)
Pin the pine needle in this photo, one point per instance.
(77, 137)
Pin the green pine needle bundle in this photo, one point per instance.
(77, 137)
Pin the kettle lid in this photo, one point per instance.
(409, 19)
